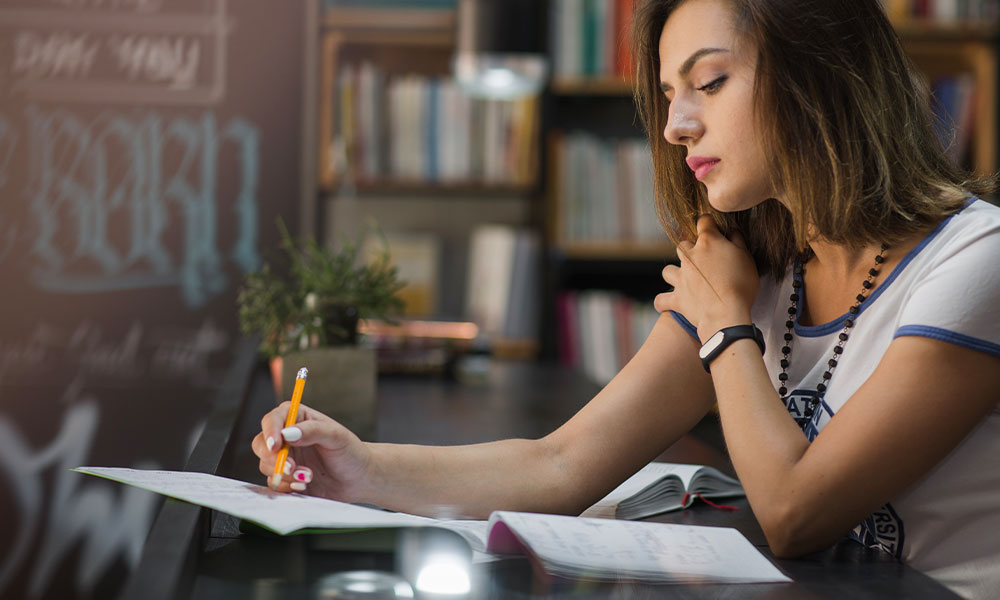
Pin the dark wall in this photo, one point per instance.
(147, 148)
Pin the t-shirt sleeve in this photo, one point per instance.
(958, 300)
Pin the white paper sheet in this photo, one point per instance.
(279, 512)
(609, 549)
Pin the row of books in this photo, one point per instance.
(604, 189)
(590, 38)
(954, 107)
(503, 287)
(943, 10)
(419, 129)
(600, 331)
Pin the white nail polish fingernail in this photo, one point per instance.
(288, 469)
(298, 486)
(270, 443)
(291, 434)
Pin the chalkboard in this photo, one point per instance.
(147, 148)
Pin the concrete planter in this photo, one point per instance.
(341, 384)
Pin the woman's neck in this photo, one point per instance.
(834, 274)
(839, 262)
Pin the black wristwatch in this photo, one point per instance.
(711, 349)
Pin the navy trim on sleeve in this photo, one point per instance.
(685, 324)
(945, 335)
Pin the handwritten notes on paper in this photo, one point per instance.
(606, 549)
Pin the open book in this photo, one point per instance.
(661, 487)
(581, 548)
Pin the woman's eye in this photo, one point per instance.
(713, 86)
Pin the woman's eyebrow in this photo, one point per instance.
(690, 62)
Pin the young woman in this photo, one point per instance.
(835, 277)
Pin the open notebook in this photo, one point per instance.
(582, 548)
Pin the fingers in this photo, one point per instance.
(663, 302)
(706, 225)
(271, 424)
(671, 274)
(327, 434)
(683, 248)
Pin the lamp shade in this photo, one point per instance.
(500, 50)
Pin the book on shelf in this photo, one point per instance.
(503, 287)
(417, 259)
(954, 111)
(604, 190)
(599, 331)
(414, 128)
(576, 547)
(662, 487)
(590, 38)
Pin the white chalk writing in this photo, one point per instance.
(109, 522)
(138, 173)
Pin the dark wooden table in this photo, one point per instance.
(196, 553)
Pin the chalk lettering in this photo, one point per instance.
(170, 59)
(79, 190)
(109, 522)
(43, 55)
(139, 6)
(188, 355)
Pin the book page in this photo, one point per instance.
(608, 549)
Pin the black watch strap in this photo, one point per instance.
(716, 344)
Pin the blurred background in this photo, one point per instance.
(148, 149)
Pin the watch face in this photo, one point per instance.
(712, 343)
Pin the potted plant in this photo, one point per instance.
(306, 311)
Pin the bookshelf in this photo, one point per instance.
(399, 144)
(967, 53)
(598, 274)
(393, 122)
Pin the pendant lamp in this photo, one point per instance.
(500, 51)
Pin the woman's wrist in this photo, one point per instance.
(366, 485)
(712, 325)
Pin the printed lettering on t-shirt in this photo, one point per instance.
(797, 403)
(883, 529)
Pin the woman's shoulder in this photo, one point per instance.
(972, 231)
(977, 217)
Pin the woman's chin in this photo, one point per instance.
(728, 203)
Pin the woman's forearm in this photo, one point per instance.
(469, 481)
(765, 446)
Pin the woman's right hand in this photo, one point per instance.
(325, 458)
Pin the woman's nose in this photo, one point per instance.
(682, 127)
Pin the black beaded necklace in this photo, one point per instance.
(838, 350)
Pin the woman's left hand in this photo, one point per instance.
(716, 282)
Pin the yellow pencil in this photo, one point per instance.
(293, 413)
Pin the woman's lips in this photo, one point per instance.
(701, 166)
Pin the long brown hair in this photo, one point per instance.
(844, 116)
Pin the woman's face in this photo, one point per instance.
(707, 74)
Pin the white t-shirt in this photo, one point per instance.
(947, 524)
